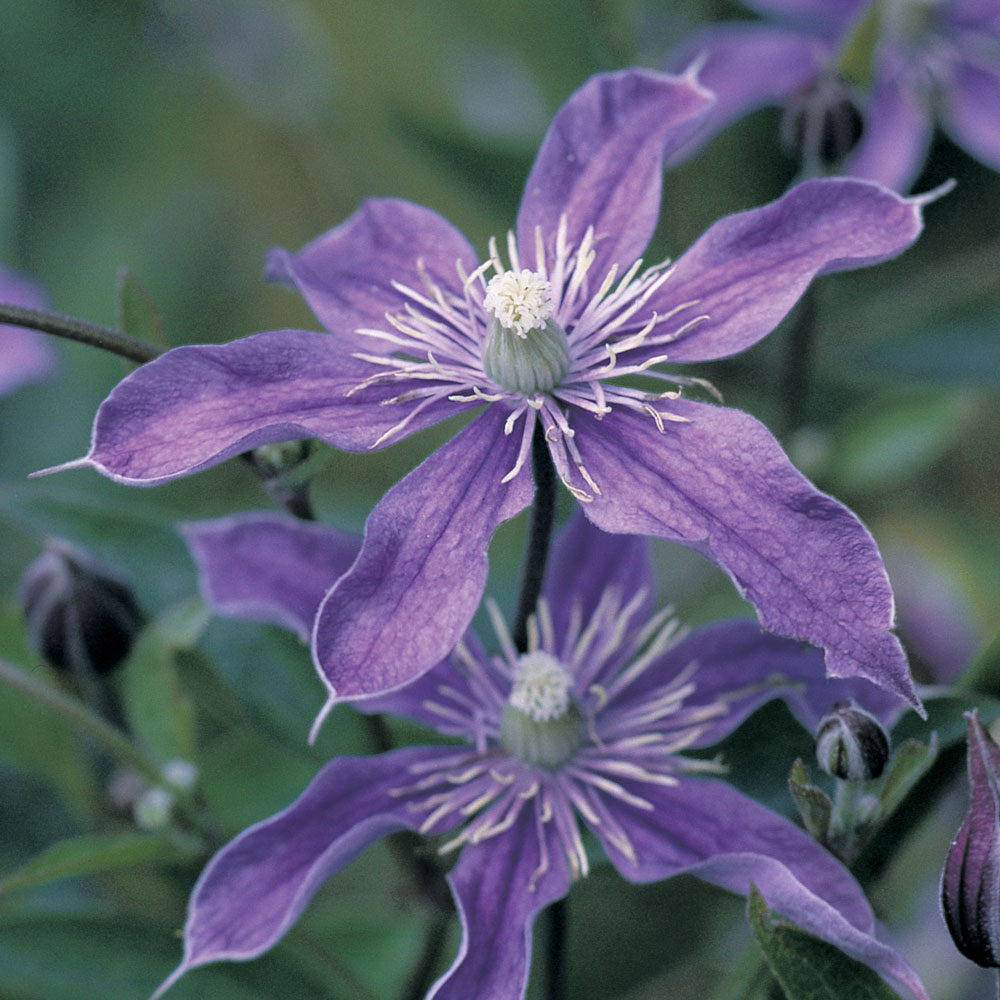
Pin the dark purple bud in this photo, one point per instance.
(851, 743)
(970, 882)
(822, 123)
(81, 616)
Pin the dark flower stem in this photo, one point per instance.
(543, 514)
(80, 330)
(797, 370)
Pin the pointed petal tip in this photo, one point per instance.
(170, 980)
(920, 200)
(76, 463)
(277, 268)
(324, 712)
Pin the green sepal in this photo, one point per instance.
(857, 57)
(911, 761)
(813, 803)
(806, 967)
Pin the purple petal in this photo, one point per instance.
(972, 111)
(422, 568)
(269, 567)
(747, 66)
(25, 356)
(826, 17)
(722, 485)
(601, 162)
(196, 406)
(347, 274)
(710, 830)
(897, 134)
(977, 15)
(256, 887)
(585, 561)
(500, 886)
(743, 667)
(970, 882)
(748, 270)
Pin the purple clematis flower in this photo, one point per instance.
(591, 723)
(926, 59)
(24, 355)
(420, 333)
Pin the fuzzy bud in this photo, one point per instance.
(822, 123)
(851, 744)
(970, 882)
(81, 617)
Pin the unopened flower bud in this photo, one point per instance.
(81, 617)
(970, 882)
(153, 809)
(851, 744)
(822, 123)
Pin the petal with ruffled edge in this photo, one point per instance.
(196, 406)
(25, 356)
(971, 112)
(969, 897)
(897, 131)
(500, 886)
(747, 66)
(722, 485)
(601, 162)
(268, 567)
(347, 275)
(256, 887)
(748, 270)
(422, 568)
(742, 667)
(585, 561)
(709, 830)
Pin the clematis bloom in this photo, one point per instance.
(419, 332)
(925, 60)
(24, 354)
(591, 724)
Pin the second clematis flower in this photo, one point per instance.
(589, 726)
(539, 333)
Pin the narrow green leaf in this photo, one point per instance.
(159, 711)
(90, 854)
(911, 761)
(806, 967)
(137, 312)
(813, 803)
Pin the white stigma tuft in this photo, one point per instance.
(520, 300)
(541, 687)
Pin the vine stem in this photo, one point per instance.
(71, 328)
(536, 555)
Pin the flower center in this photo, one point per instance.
(526, 350)
(541, 723)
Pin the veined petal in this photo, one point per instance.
(422, 568)
(601, 162)
(255, 888)
(500, 886)
(748, 270)
(585, 561)
(722, 485)
(347, 274)
(269, 567)
(897, 134)
(743, 667)
(25, 356)
(747, 66)
(196, 406)
(710, 830)
(971, 112)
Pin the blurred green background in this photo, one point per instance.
(182, 138)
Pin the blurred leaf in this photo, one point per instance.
(806, 967)
(160, 713)
(90, 854)
(137, 312)
(910, 763)
(946, 710)
(897, 439)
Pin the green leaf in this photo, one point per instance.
(90, 854)
(911, 761)
(814, 805)
(806, 967)
(160, 713)
(137, 312)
